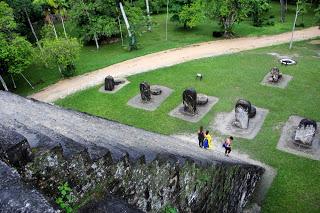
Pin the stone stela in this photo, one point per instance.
(150, 97)
(300, 136)
(112, 85)
(244, 111)
(194, 106)
(275, 75)
(305, 133)
(191, 100)
(146, 91)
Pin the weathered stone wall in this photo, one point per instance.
(15, 196)
(148, 186)
(14, 148)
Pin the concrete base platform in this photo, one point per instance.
(202, 110)
(287, 137)
(116, 87)
(283, 83)
(155, 101)
(223, 123)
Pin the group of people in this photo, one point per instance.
(205, 141)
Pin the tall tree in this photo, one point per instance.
(62, 52)
(228, 12)
(176, 8)
(25, 13)
(48, 8)
(192, 15)
(300, 9)
(16, 52)
(258, 11)
(95, 20)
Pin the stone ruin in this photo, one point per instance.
(275, 75)
(59, 146)
(305, 133)
(243, 112)
(191, 99)
(110, 83)
(146, 91)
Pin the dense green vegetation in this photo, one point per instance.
(229, 77)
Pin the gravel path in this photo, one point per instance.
(167, 58)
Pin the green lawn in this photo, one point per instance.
(91, 59)
(296, 187)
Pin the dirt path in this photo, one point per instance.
(167, 58)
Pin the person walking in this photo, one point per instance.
(200, 136)
(207, 143)
(227, 145)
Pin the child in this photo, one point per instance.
(207, 143)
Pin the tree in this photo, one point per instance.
(258, 11)
(47, 6)
(227, 12)
(95, 20)
(176, 8)
(298, 10)
(16, 52)
(192, 15)
(302, 5)
(62, 52)
(25, 13)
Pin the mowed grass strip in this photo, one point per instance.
(296, 187)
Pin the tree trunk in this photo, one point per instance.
(185, 25)
(120, 31)
(95, 36)
(32, 29)
(125, 19)
(53, 27)
(282, 10)
(286, 5)
(227, 25)
(64, 29)
(96, 41)
(294, 24)
(14, 83)
(3, 84)
(27, 80)
(148, 15)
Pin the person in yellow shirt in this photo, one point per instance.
(207, 143)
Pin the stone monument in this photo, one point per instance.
(189, 97)
(305, 133)
(275, 75)
(243, 112)
(145, 91)
(110, 83)
(202, 99)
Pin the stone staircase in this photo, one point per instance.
(145, 169)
